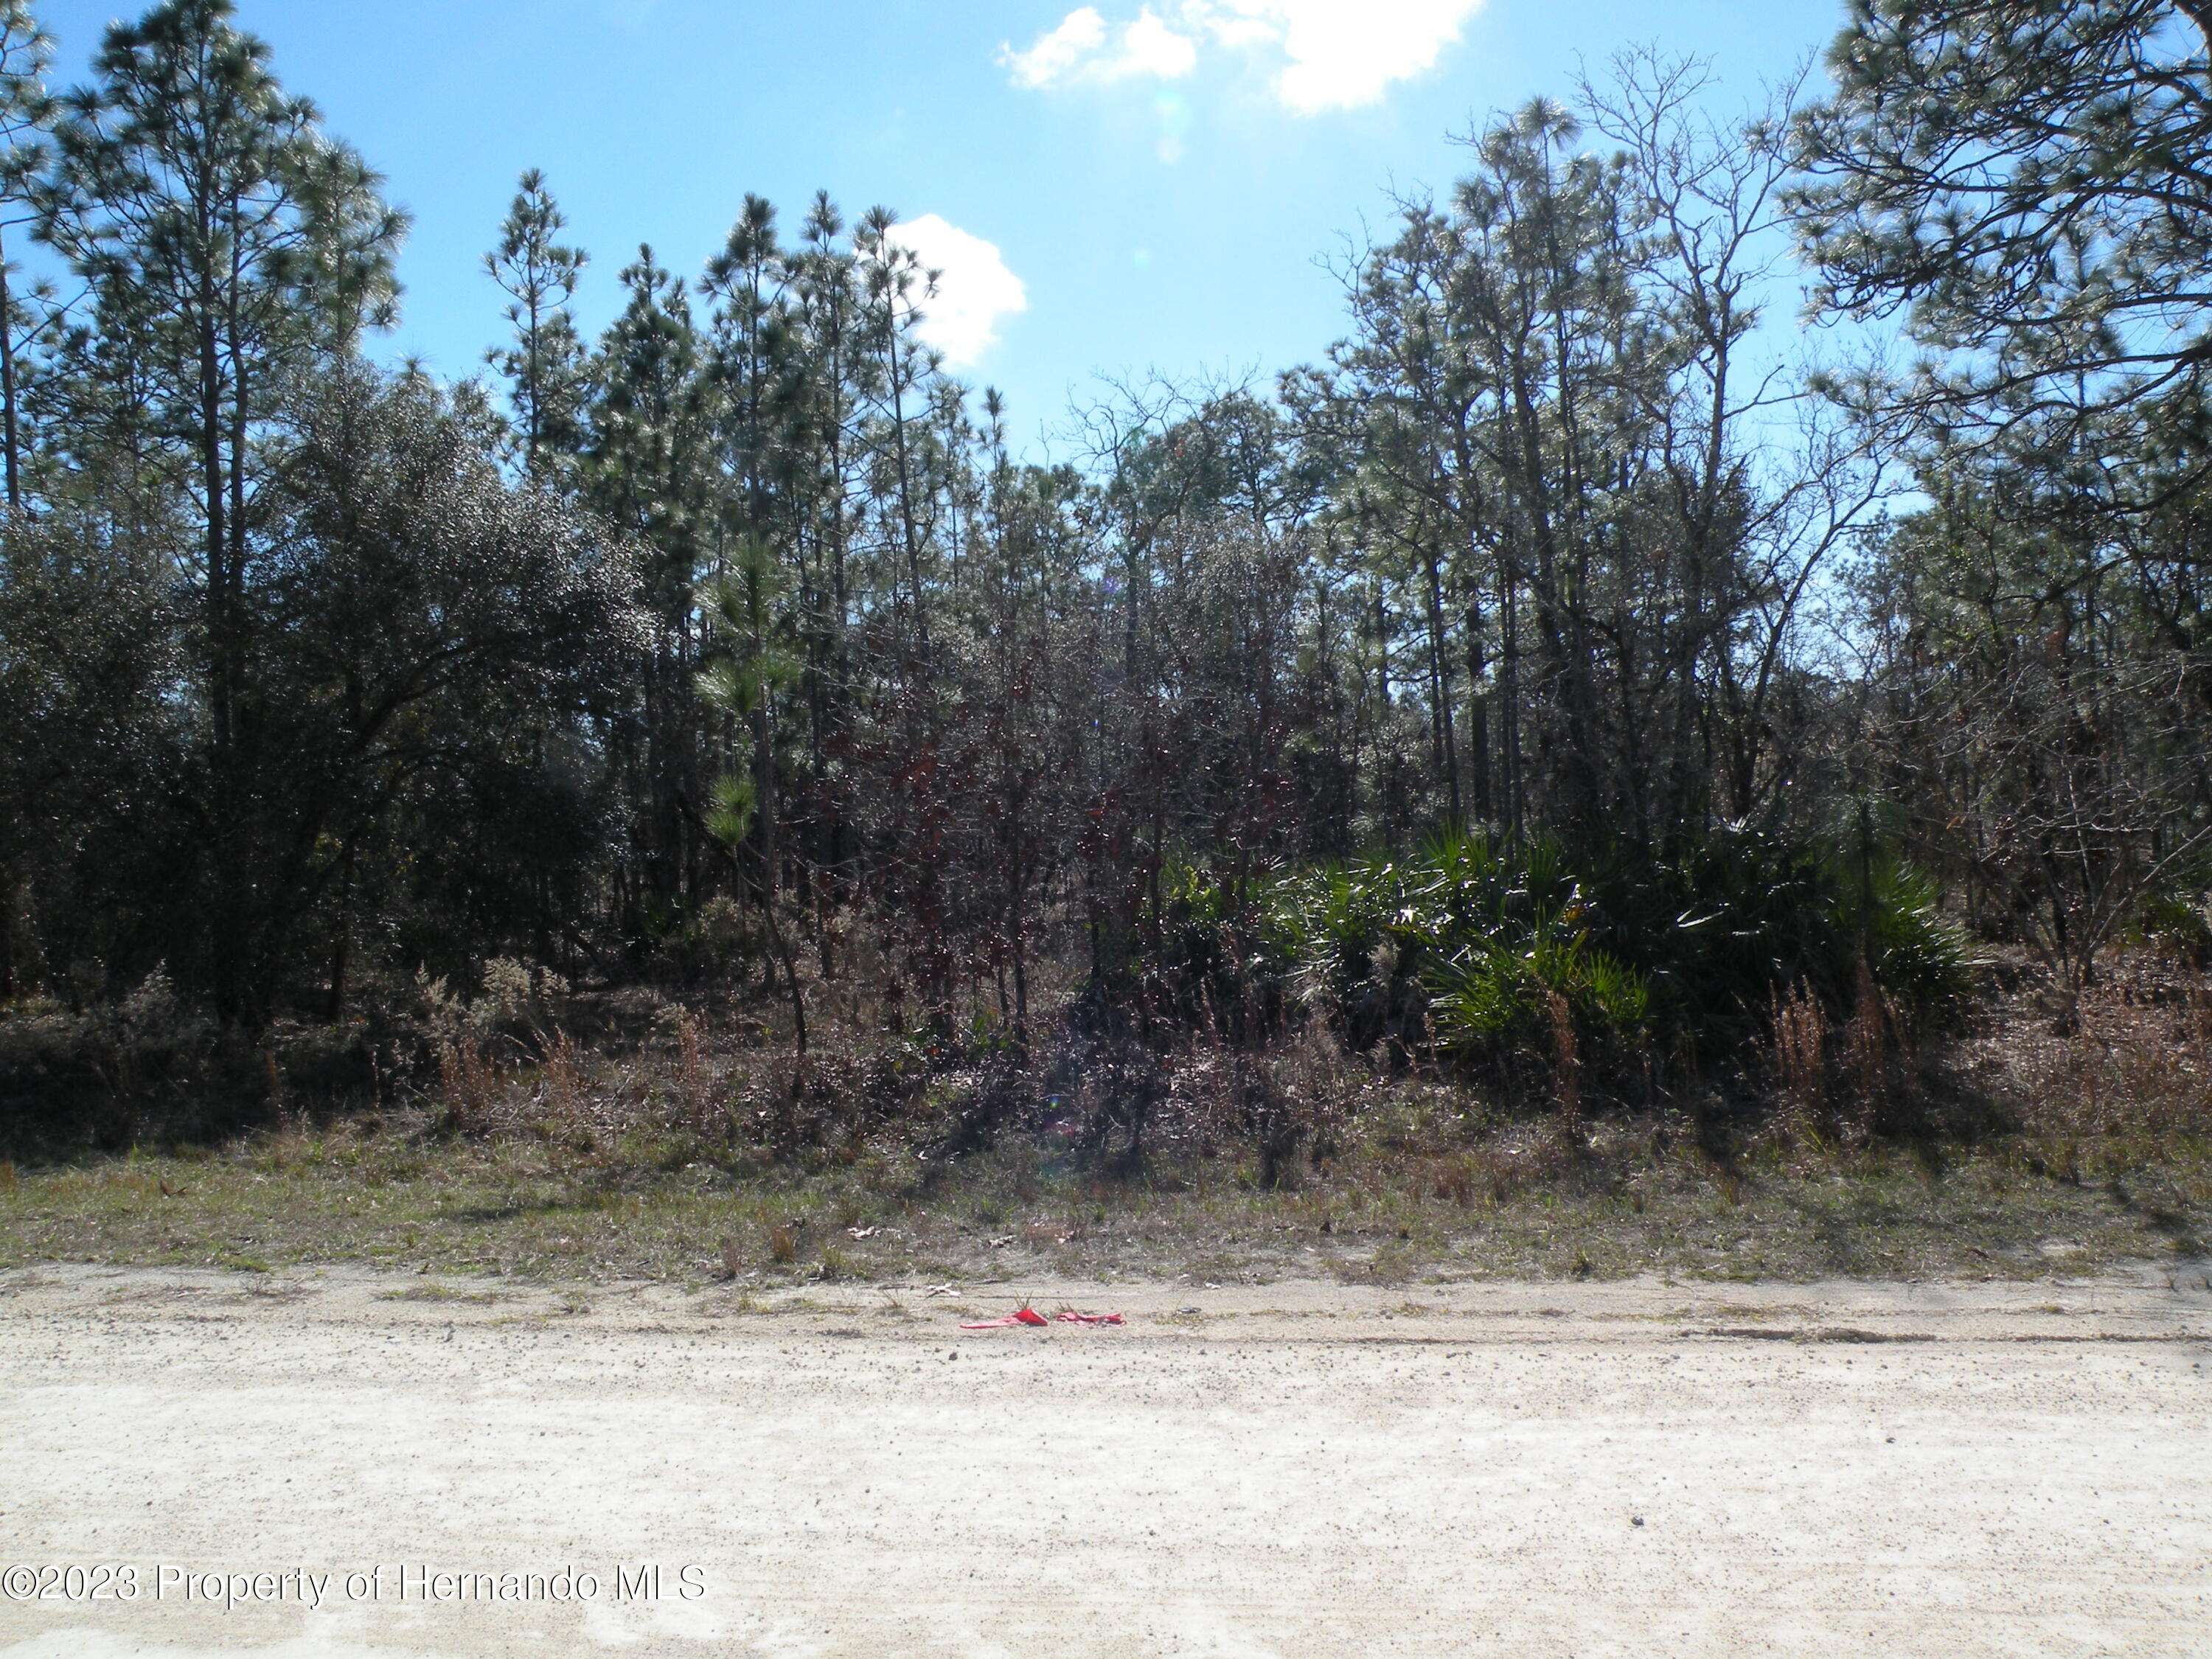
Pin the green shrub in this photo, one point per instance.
(1464, 944)
(1497, 1003)
(1921, 959)
(1473, 947)
(2178, 918)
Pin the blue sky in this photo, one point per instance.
(1158, 181)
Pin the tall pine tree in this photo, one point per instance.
(233, 246)
(546, 364)
(25, 111)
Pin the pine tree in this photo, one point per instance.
(25, 112)
(2025, 187)
(897, 285)
(25, 109)
(747, 665)
(545, 365)
(751, 337)
(649, 469)
(823, 305)
(2028, 183)
(231, 246)
(754, 362)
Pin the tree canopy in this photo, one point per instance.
(738, 641)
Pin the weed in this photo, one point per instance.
(561, 1084)
(1799, 1056)
(468, 1085)
(682, 1029)
(1566, 1057)
(1857, 1143)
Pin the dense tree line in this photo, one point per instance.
(739, 639)
(2022, 191)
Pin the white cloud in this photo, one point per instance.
(1151, 47)
(1341, 53)
(1053, 55)
(1078, 50)
(1321, 54)
(974, 289)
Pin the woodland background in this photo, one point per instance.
(1554, 695)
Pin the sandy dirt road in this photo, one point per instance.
(1290, 1469)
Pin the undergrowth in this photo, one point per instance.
(655, 1138)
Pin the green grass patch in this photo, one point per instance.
(1407, 1199)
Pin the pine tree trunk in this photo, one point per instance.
(341, 940)
(11, 436)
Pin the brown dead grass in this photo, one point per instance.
(693, 1150)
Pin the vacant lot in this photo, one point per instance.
(1301, 1469)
